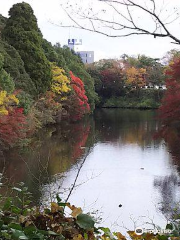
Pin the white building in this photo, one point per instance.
(76, 45)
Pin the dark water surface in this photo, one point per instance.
(126, 166)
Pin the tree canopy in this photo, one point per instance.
(21, 31)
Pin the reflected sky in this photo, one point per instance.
(126, 166)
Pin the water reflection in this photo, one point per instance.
(127, 127)
(169, 188)
(126, 166)
(52, 152)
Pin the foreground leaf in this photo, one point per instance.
(85, 221)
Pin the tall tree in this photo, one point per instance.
(170, 109)
(68, 59)
(22, 32)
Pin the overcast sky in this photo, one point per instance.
(48, 11)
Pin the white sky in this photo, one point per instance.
(48, 11)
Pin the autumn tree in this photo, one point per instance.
(170, 109)
(154, 68)
(108, 75)
(129, 17)
(60, 83)
(12, 128)
(22, 32)
(135, 77)
(70, 61)
(78, 102)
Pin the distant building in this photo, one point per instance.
(76, 45)
(86, 56)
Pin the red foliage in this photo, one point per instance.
(79, 102)
(12, 127)
(80, 140)
(170, 110)
(112, 81)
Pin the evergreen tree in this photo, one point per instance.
(6, 82)
(2, 23)
(22, 32)
(14, 66)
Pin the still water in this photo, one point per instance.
(115, 163)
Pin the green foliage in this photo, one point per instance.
(14, 66)
(2, 23)
(22, 32)
(49, 51)
(6, 82)
(25, 101)
(85, 221)
(146, 100)
(19, 220)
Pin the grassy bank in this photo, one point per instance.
(136, 103)
(145, 99)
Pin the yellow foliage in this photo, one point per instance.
(120, 236)
(75, 210)
(55, 207)
(136, 76)
(78, 237)
(61, 83)
(6, 101)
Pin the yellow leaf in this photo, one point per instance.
(6, 101)
(78, 237)
(134, 236)
(76, 212)
(54, 207)
(60, 83)
(120, 236)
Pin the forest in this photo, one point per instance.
(41, 84)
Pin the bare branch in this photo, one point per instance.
(127, 24)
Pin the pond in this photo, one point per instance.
(112, 163)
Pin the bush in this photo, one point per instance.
(19, 220)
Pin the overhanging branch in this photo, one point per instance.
(127, 24)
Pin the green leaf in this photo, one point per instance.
(162, 237)
(18, 235)
(6, 235)
(8, 220)
(85, 221)
(28, 202)
(52, 233)
(105, 230)
(25, 189)
(16, 210)
(15, 226)
(7, 204)
(59, 201)
(30, 230)
(85, 236)
(169, 226)
(47, 211)
(1, 224)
